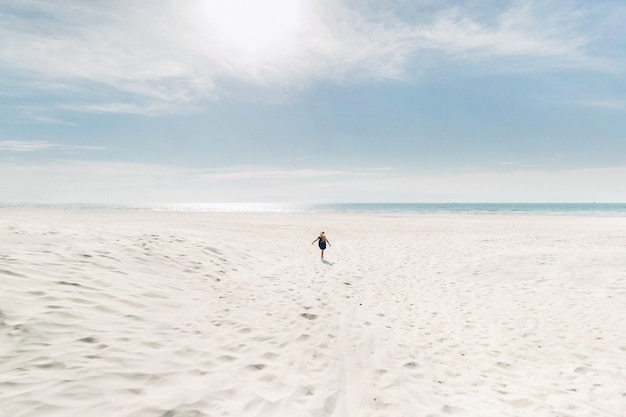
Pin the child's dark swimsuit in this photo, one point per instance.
(322, 244)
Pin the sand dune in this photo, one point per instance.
(206, 314)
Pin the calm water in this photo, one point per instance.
(572, 209)
(415, 208)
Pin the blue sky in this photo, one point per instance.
(312, 101)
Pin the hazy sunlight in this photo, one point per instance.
(251, 27)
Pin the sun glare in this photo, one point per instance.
(251, 26)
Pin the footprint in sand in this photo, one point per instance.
(330, 404)
(309, 316)
(448, 409)
(226, 358)
(270, 355)
(504, 365)
(582, 370)
(521, 403)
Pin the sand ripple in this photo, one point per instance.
(169, 315)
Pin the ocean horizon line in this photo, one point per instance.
(574, 208)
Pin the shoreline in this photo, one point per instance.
(509, 209)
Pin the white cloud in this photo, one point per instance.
(608, 104)
(37, 145)
(29, 119)
(107, 182)
(25, 146)
(516, 33)
(145, 107)
(164, 55)
(270, 174)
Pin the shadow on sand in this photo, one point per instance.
(324, 261)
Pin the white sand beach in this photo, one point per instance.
(162, 314)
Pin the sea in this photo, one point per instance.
(548, 209)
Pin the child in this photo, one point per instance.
(322, 241)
